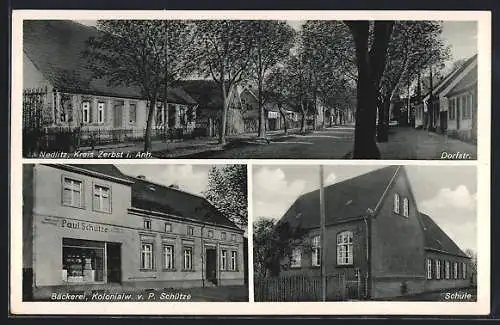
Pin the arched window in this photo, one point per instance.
(344, 248)
(406, 207)
(396, 203)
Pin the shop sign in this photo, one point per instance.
(84, 226)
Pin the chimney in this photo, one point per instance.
(141, 177)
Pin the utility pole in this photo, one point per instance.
(322, 236)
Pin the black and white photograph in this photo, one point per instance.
(358, 233)
(134, 233)
(250, 89)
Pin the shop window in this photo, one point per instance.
(234, 261)
(147, 224)
(168, 227)
(223, 260)
(146, 256)
(72, 192)
(168, 257)
(102, 198)
(82, 261)
(345, 248)
(296, 260)
(188, 258)
(316, 252)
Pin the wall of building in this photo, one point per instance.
(397, 245)
(53, 222)
(443, 283)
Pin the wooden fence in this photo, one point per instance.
(299, 288)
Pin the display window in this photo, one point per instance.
(83, 261)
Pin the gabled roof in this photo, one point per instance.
(437, 239)
(446, 81)
(55, 47)
(150, 196)
(346, 200)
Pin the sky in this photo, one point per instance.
(446, 193)
(190, 178)
(461, 36)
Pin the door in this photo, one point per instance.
(114, 270)
(211, 267)
(117, 115)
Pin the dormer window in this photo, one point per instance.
(396, 203)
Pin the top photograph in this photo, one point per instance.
(250, 89)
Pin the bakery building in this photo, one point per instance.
(93, 226)
(376, 240)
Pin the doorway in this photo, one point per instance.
(211, 266)
(113, 253)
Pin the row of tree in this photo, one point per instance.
(324, 63)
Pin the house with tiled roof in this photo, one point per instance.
(376, 240)
(451, 107)
(58, 79)
(91, 227)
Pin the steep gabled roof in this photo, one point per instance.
(56, 49)
(346, 200)
(437, 239)
(150, 196)
(448, 79)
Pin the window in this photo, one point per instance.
(102, 199)
(147, 224)
(223, 260)
(82, 261)
(72, 192)
(464, 271)
(406, 207)
(168, 257)
(464, 107)
(188, 258)
(234, 260)
(316, 253)
(210, 233)
(168, 227)
(455, 270)
(85, 112)
(344, 248)
(223, 236)
(438, 269)
(146, 256)
(396, 203)
(132, 113)
(296, 257)
(100, 112)
(429, 269)
(446, 270)
(190, 231)
(233, 237)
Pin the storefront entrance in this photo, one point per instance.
(113, 257)
(86, 261)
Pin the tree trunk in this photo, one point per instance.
(383, 119)
(149, 125)
(283, 115)
(262, 113)
(371, 65)
(222, 134)
(303, 118)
